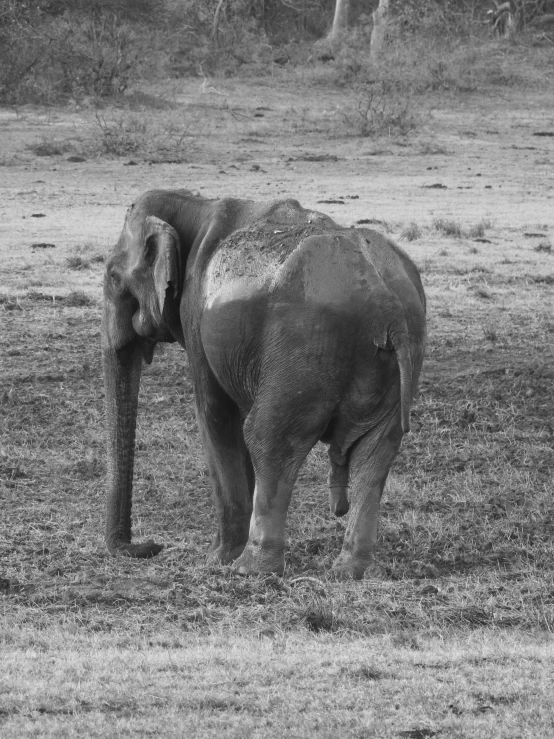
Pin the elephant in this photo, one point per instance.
(297, 330)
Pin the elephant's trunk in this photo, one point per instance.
(122, 369)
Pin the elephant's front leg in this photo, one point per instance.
(370, 461)
(230, 470)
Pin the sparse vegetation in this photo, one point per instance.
(78, 299)
(412, 232)
(380, 110)
(448, 228)
(49, 147)
(490, 333)
(159, 138)
(478, 230)
(77, 263)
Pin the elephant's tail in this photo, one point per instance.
(400, 342)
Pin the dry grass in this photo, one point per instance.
(448, 228)
(478, 230)
(279, 685)
(469, 507)
(412, 232)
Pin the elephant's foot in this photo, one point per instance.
(256, 560)
(224, 554)
(138, 551)
(348, 567)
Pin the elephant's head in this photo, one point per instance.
(142, 285)
(142, 288)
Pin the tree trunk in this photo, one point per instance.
(379, 32)
(340, 21)
(217, 17)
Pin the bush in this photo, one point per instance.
(379, 109)
(96, 57)
(70, 48)
(56, 49)
(157, 138)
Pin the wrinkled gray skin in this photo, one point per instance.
(297, 331)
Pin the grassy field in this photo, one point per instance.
(450, 633)
(293, 685)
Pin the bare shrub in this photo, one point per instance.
(379, 109)
(124, 133)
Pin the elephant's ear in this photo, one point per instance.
(162, 242)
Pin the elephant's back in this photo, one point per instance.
(254, 255)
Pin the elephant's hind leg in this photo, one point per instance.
(265, 550)
(370, 461)
(278, 451)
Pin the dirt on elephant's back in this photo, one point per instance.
(259, 249)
